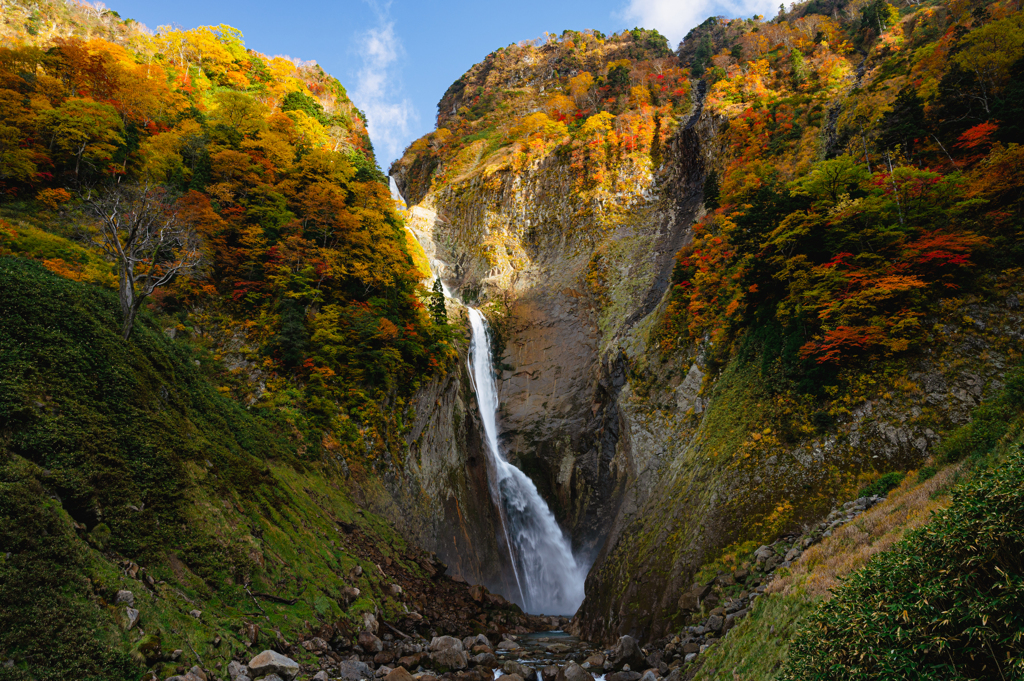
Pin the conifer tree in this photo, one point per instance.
(437, 308)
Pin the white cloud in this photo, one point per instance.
(377, 90)
(674, 18)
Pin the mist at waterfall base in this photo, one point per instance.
(548, 577)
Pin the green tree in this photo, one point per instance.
(437, 308)
(82, 130)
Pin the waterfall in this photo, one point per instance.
(549, 579)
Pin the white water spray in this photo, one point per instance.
(549, 579)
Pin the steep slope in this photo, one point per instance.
(844, 292)
(124, 468)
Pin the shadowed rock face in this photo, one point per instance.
(563, 360)
(440, 499)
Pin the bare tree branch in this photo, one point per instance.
(141, 230)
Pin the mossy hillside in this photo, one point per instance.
(135, 467)
(765, 457)
(755, 648)
(759, 646)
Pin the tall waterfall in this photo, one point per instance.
(549, 579)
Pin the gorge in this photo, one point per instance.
(664, 363)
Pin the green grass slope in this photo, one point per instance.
(123, 467)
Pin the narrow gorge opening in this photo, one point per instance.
(548, 577)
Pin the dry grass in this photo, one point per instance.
(822, 567)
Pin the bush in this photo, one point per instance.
(945, 603)
(883, 485)
(990, 422)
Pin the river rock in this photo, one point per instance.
(508, 644)
(354, 670)
(370, 643)
(626, 652)
(649, 675)
(513, 677)
(272, 662)
(399, 674)
(558, 648)
(549, 673)
(574, 672)
(596, 660)
(447, 653)
(513, 667)
(412, 661)
(623, 676)
(485, 660)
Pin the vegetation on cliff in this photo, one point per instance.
(307, 276)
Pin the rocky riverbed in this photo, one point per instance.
(383, 652)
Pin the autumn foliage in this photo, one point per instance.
(850, 205)
(270, 162)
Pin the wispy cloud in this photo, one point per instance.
(674, 18)
(378, 91)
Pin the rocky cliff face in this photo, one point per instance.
(440, 500)
(656, 462)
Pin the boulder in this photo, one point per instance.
(478, 640)
(507, 644)
(396, 591)
(382, 671)
(354, 670)
(196, 672)
(596, 660)
(412, 661)
(513, 677)
(626, 652)
(549, 673)
(272, 662)
(125, 597)
(370, 623)
(512, 667)
(447, 653)
(399, 674)
(485, 660)
(236, 669)
(558, 648)
(792, 554)
(131, 617)
(715, 623)
(763, 553)
(623, 676)
(477, 592)
(321, 676)
(691, 600)
(317, 646)
(738, 615)
(649, 675)
(383, 657)
(268, 677)
(370, 643)
(574, 672)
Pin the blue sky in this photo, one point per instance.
(397, 58)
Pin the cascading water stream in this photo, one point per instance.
(549, 579)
